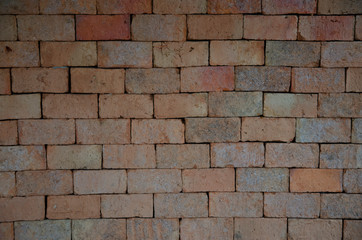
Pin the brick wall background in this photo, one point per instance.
(180, 119)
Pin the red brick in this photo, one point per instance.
(70, 106)
(339, 7)
(261, 228)
(46, 28)
(138, 228)
(7, 187)
(315, 180)
(103, 131)
(157, 131)
(127, 205)
(6, 231)
(46, 131)
(19, 54)
(290, 6)
(270, 27)
(13, 158)
(341, 206)
(22, 208)
(340, 105)
(341, 54)
(354, 80)
(207, 180)
(124, 6)
(28, 80)
(8, 132)
(340, 156)
(179, 6)
(8, 28)
(96, 80)
(5, 81)
(99, 229)
(103, 27)
(20, 106)
(31, 183)
(352, 181)
(68, 7)
(358, 30)
(233, 6)
(314, 229)
(352, 229)
(207, 228)
(19, 7)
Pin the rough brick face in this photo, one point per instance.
(354, 80)
(59, 229)
(203, 228)
(19, 54)
(314, 229)
(352, 181)
(341, 156)
(8, 31)
(260, 228)
(138, 228)
(5, 81)
(22, 208)
(99, 229)
(315, 180)
(291, 6)
(356, 131)
(341, 54)
(358, 27)
(124, 6)
(19, 7)
(341, 206)
(6, 231)
(20, 106)
(7, 187)
(339, 7)
(340, 105)
(12, 158)
(179, 6)
(67, 7)
(352, 229)
(9, 132)
(233, 6)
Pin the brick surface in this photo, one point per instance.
(138, 228)
(340, 105)
(56, 229)
(67, 7)
(9, 132)
(341, 156)
(7, 187)
(357, 130)
(292, 6)
(8, 28)
(19, 7)
(22, 208)
(6, 231)
(19, 54)
(352, 181)
(203, 228)
(341, 54)
(341, 206)
(12, 158)
(20, 106)
(354, 80)
(179, 6)
(260, 228)
(5, 81)
(99, 229)
(124, 6)
(358, 28)
(352, 229)
(339, 7)
(314, 229)
(233, 6)
(315, 180)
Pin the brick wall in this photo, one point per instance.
(181, 119)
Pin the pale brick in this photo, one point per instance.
(290, 6)
(341, 54)
(67, 7)
(339, 7)
(180, 54)
(95, 182)
(22, 208)
(20, 106)
(6, 231)
(124, 6)
(127, 205)
(354, 79)
(129, 156)
(8, 28)
(19, 54)
(235, 204)
(233, 6)
(46, 28)
(19, 7)
(294, 205)
(30, 183)
(341, 206)
(340, 105)
(323, 130)
(292, 53)
(7, 187)
(153, 229)
(156, 80)
(260, 228)
(159, 28)
(157, 131)
(290, 105)
(73, 207)
(236, 53)
(154, 181)
(315, 180)
(74, 157)
(46, 229)
(357, 130)
(237, 155)
(341, 156)
(5, 81)
(28, 80)
(8, 132)
(352, 229)
(212, 130)
(235, 104)
(352, 181)
(182, 156)
(179, 6)
(103, 131)
(99, 229)
(181, 205)
(215, 27)
(358, 28)
(18, 158)
(181, 105)
(207, 228)
(314, 229)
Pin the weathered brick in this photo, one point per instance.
(95, 182)
(314, 229)
(323, 28)
(180, 54)
(215, 27)
(129, 156)
(73, 207)
(6, 231)
(182, 156)
(162, 229)
(159, 27)
(212, 130)
(262, 179)
(323, 130)
(235, 104)
(208, 180)
(290, 105)
(94, 80)
(236, 53)
(237, 155)
(74, 157)
(8, 28)
(18, 158)
(341, 206)
(68, 54)
(103, 131)
(5, 81)
(271, 79)
(70, 106)
(46, 28)
(103, 27)
(205, 79)
(28, 80)
(19, 7)
(268, 129)
(155, 80)
(154, 181)
(99, 229)
(341, 156)
(127, 205)
(291, 6)
(341, 54)
(235, 204)
(352, 229)
(294, 205)
(58, 182)
(124, 6)
(22, 208)
(7, 187)
(357, 130)
(315, 180)
(233, 6)
(181, 205)
(354, 79)
(260, 228)
(207, 228)
(179, 6)
(46, 229)
(123, 54)
(340, 105)
(358, 27)
(68, 7)
(352, 181)
(270, 27)
(20, 106)
(8, 132)
(292, 53)
(339, 7)
(316, 80)
(157, 131)
(19, 54)
(181, 105)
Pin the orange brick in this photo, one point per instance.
(340, 105)
(233, 6)
(138, 228)
(22, 208)
(315, 180)
(207, 228)
(73, 207)
(19, 54)
(8, 132)
(354, 80)
(315, 229)
(99, 229)
(7, 187)
(8, 28)
(270, 27)
(12, 158)
(179, 6)
(291, 6)
(19, 7)
(208, 180)
(103, 27)
(341, 54)
(20, 106)
(67, 7)
(5, 81)
(124, 6)
(7, 231)
(261, 228)
(339, 7)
